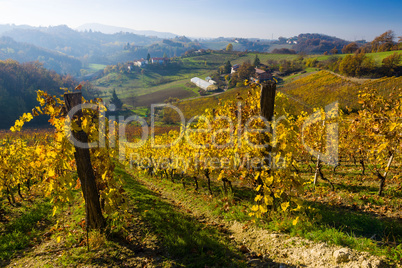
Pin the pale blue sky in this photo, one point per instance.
(350, 20)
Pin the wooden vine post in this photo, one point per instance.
(94, 217)
(267, 105)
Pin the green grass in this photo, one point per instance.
(141, 111)
(264, 57)
(377, 56)
(129, 85)
(298, 75)
(321, 222)
(94, 67)
(160, 78)
(189, 242)
(24, 228)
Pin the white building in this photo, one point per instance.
(140, 63)
(207, 86)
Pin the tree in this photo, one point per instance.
(334, 51)
(282, 40)
(229, 47)
(256, 61)
(127, 46)
(283, 51)
(391, 62)
(384, 42)
(350, 48)
(165, 55)
(311, 62)
(227, 68)
(148, 57)
(116, 101)
(356, 65)
(246, 70)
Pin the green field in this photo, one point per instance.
(140, 89)
(264, 57)
(135, 85)
(162, 79)
(377, 57)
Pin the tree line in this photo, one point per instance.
(18, 85)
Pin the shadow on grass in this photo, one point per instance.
(186, 240)
(21, 231)
(360, 224)
(355, 188)
(388, 190)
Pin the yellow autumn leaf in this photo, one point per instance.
(269, 180)
(38, 150)
(50, 109)
(258, 187)
(285, 206)
(263, 209)
(104, 175)
(54, 210)
(221, 175)
(51, 173)
(268, 200)
(257, 198)
(393, 126)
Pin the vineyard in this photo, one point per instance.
(325, 176)
(322, 88)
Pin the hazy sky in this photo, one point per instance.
(350, 20)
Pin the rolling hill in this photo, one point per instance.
(53, 60)
(108, 29)
(18, 86)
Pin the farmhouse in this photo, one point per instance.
(140, 63)
(160, 60)
(209, 80)
(261, 76)
(235, 68)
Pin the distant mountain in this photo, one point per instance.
(78, 44)
(107, 29)
(9, 27)
(24, 52)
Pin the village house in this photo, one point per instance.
(209, 80)
(235, 68)
(140, 63)
(261, 76)
(160, 60)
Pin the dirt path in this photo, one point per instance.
(353, 79)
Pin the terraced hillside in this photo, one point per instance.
(322, 88)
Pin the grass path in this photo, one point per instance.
(262, 248)
(167, 226)
(157, 233)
